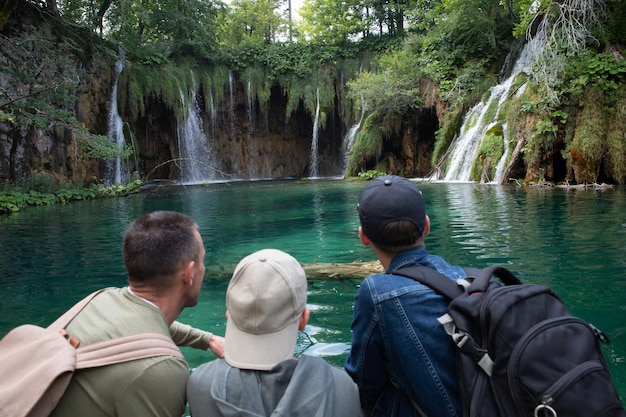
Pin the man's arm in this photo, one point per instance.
(186, 335)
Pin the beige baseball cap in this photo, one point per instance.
(265, 300)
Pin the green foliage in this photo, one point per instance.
(465, 31)
(38, 183)
(393, 90)
(588, 145)
(319, 89)
(17, 198)
(13, 201)
(450, 125)
(329, 22)
(615, 33)
(257, 85)
(138, 84)
(370, 174)
(601, 70)
(119, 189)
(289, 60)
(41, 76)
(528, 11)
(616, 139)
(183, 27)
(250, 23)
(214, 83)
(100, 146)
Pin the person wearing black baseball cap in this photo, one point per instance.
(401, 357)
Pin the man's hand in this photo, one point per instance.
(216, 344)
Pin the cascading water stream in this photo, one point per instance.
(197, 164)
(502, 162)
(251, 122)
(348, 140)
(116, 171)
(213, 112)
(314, 171)
(481, 118)
(231, 89)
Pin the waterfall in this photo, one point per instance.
(116, 171)
(250, 103)
(314, 162)
(213, 112)
(250, 111)
(351, 135)
(481, 118)
(196, 162)
(348, 140)
(502, 162)
(231, 89)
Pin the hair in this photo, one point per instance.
(398, 236)
(157, 244)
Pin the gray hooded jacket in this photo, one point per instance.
(307, 387)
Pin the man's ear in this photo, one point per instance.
(304, 319)
(187, 273)
(364, 239)
(426, 226)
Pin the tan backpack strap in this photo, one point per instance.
(62, 322)
(125, 349)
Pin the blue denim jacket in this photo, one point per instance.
(400, 353)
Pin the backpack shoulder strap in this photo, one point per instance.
(118, 350)
(482, 277)
(431, 278)
(125, 349)
(63, 321)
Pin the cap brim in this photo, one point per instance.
(259, 351)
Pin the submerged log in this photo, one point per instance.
(315, 271)
(586, 186)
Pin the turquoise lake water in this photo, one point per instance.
(572, 240)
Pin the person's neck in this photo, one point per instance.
(384, 257)
(157, 297)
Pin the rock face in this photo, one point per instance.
(245, 142)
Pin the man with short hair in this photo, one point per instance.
(401, 357)
(259, 376)
(164, 256)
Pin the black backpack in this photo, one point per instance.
(520, 351)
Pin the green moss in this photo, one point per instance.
(589, 142)
(138, 84)
(214, 82)
(367, 145)
(615, 140)
(489, 153)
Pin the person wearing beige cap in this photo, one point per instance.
(259, 376)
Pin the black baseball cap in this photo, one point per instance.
(387, 199)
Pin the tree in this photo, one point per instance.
(332, 22)
(183, 26)
(564, 31)
(251, 22)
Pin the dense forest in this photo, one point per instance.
(396, 67)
